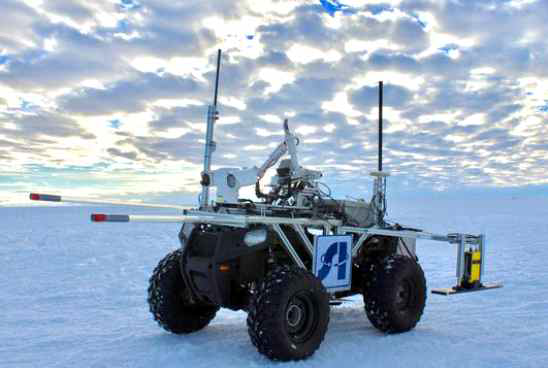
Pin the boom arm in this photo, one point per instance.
(274, 157)
(110, 202)
(217, 219)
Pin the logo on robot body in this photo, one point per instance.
(332, 261)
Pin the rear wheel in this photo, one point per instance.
(288, 314)
(394, 293)
(169, 301)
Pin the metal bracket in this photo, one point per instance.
(299, 229)
(288, 246)
(460, 258)
(359, 244)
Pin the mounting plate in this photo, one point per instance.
(454, 290)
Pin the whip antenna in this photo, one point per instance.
(378, 202)
(217, 78)
(380, 124)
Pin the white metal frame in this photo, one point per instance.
(463, 241)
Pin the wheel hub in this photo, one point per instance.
(294, 315)
(301, 317)
(404, 295)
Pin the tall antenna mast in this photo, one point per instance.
(380, 124)
(210, 145)
(378, 202)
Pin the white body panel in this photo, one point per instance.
(229, 181)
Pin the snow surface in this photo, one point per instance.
(73, 294)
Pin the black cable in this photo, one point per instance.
(398, 227)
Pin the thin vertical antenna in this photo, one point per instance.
(217, 78)
(210, 145)
(380, 125)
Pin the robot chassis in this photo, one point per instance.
(270, 257)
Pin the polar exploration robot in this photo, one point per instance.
(286, 257)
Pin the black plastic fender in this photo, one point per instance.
(217, 264)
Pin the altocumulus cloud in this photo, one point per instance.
(465, 91)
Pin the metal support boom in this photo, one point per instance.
(102, 201)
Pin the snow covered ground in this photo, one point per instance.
(73, 294)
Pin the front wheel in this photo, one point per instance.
(168, 299)
(394, 293)
(288, 314)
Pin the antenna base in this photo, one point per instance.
(379, 174)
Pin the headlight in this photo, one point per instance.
(254, 237)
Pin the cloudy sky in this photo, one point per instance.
(109, 97)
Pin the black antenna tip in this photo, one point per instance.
(380, 123)
(217, 78)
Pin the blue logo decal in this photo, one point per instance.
(327, 260)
